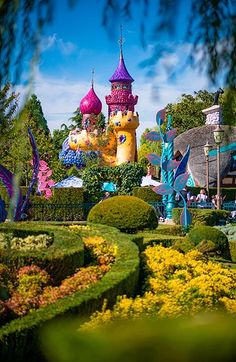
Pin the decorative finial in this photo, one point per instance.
(216, 96)
(121, 40)
(92, 79)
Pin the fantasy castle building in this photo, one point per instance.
(117, 143)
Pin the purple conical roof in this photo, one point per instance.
(121, 73)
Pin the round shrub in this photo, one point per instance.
(126, 213)
(200, 233)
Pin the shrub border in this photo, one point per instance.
(19, 339)
(66, 257)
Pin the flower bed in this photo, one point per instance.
(176, 284)
(60, 259)
(32, 289)
(19, 338)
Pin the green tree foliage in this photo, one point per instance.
(147, 147)
(59, 136)
(19, 152)
(20, 28)
(35, 116)
(8, 107)
(187, 112)
(76, 119)
(125, 177)
(101, 121)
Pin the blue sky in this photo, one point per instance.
(76, 42)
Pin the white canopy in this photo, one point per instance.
(148, 181)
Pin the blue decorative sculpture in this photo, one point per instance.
(172, 181)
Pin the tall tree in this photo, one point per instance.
(76, 119)
(8, 107)
(19, 153)
(35, 116)
(59, 136)
(187, 112)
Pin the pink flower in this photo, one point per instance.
(51, 183)
(48, 193)
(43, 168)
(43, 163)
(49, 173)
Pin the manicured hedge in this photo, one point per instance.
(202, 216)
(19, 340)
(146, 194)
(150, 238)
(66, 204)
(59, 260)
(209, 233)
(126, 213)
(47, 211)
(232, 248)
(67, 195)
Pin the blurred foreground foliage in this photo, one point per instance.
(204, 337)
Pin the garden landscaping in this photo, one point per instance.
(104, 274)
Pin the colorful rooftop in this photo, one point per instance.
(91, 103)
(121, 73)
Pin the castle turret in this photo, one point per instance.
(121, 97)
(122, 115)
(90, 103)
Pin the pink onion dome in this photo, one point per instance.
(90, 103)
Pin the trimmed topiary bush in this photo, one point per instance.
(202, 216)
(232, 248)
(200, 233)
(183, 245)
(126, 213)
(207, 247)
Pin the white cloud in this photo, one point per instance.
(64, 47)
(48, 42)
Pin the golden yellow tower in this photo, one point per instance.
(122, 116)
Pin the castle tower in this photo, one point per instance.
(122, 115)
(90, 107)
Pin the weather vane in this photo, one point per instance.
(92, 80)
(121, 40)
